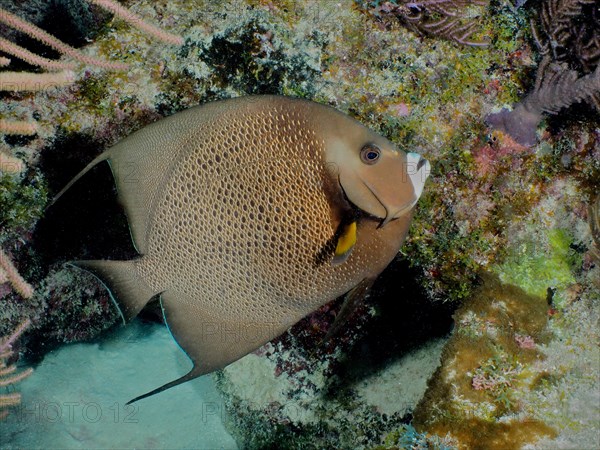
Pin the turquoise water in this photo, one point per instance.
(76, 398)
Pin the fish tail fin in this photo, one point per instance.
(127, 289)
(102, 157)
(194, 373)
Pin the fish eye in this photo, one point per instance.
(370, 154)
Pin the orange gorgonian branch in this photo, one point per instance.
(8, 373)
(9, 164)
(17, 282)
(35, 60)
(17, 127)
(138, 22)
(25, 81)
(39, 34)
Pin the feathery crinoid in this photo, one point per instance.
(568, 38)
(9, 375)
(455, 20)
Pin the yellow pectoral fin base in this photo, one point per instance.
(345, 243)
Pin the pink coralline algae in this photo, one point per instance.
(486, 382)
(486, 158)
(525, 341)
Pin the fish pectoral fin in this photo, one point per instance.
(126, 288)
(210, 341)
(352, 300)
(346, 239)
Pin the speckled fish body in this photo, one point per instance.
(236, 208)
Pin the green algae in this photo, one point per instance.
(93, 90)
(535, 268)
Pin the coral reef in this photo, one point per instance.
(500, 384)
(279, 398)
(64, 75)
(474, 397)
(526, 214)
(8, 370)
(406, 437)
(33, 31)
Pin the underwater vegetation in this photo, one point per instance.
(525, 213)
(568, 39)
(61, 72)
(454, 20)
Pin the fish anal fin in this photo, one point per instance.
(208, 341)
(194, 373)
(351, 301)
(127, 289)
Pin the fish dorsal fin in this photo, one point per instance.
(141, 164)
(127, 290)
(346, 239)
(352, 300)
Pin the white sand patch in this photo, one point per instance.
(76, 398)
(400, 386)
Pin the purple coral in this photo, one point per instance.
(556, 88)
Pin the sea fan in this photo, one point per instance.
(594, 219)
(561, 27)
(557, 87)
(447, 19)
(568, 37)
